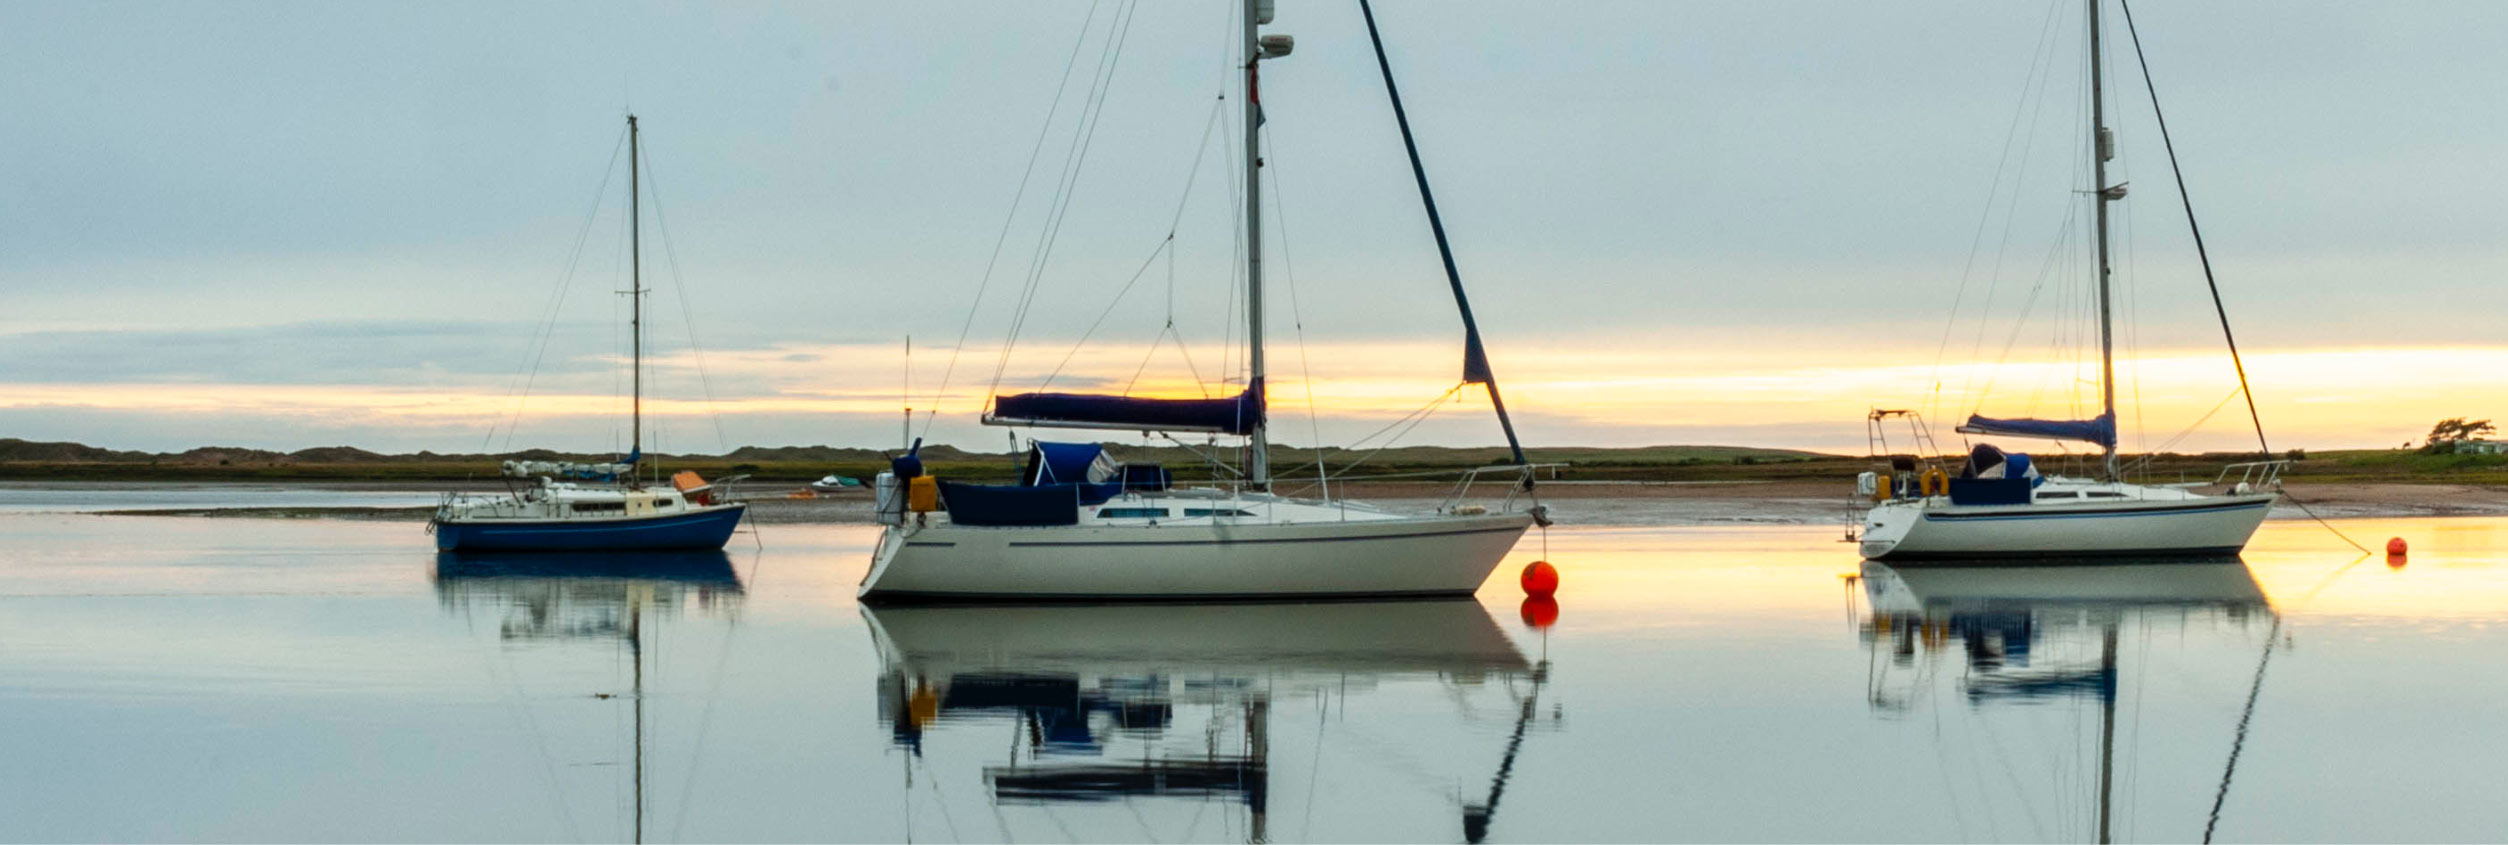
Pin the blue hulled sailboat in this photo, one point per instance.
(565, 506)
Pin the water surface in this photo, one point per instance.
(292, 680)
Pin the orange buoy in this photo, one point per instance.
(1539, 611)
(2396, 546)
(1540, 579)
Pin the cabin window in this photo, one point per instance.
(600, 507)
(1215, 512)
(2104, 494)
(2068, 494)
(1131, 513)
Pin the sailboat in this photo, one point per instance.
(1999, 505)
(1079, 525)
(568, 506)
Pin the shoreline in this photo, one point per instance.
(1615, 503)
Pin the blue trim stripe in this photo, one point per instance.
(2103, 514)
(1227, 541)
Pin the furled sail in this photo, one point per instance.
(2100, 429)
(1237, 414)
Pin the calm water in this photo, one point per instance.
(249, 679)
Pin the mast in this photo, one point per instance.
(2102, 148)
(635, 292)
(635, 650)
(1258, 457)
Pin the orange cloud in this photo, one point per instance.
(2309, 397)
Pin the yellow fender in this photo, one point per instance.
(1934, 482)
(923, 494)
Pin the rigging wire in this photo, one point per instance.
(982, 284)
(2201, 254)
(623, 348)
(1166, 245)
(2056, 252)
(1994, 191)
(1168, 330)
(1075, 161)
(539, 346)
(1413, 419)
(2003, 248)
(679, 289)
(2263, 448)
(1297, 316)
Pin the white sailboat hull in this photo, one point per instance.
(2191, 525)
(1417, 556)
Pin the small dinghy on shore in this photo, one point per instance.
(836, 484)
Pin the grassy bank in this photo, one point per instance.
(25, 461)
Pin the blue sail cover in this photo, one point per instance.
(1237, 414)
(2100, 429)
(1068, 463)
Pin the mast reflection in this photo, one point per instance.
(594, 597)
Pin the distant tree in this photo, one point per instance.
(2297, 455)
(2450, 431)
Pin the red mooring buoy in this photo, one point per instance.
(1540, 578)
(2396, 546)
(1539, 611)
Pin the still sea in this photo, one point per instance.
(309, 679)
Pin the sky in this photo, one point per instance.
(401, 227)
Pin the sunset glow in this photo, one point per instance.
(2309, 398)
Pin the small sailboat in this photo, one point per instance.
(1999, 505)
(1080, 525)
(568, 506)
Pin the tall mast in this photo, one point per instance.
(2102, 148)
(635, 290)
(1258, 452)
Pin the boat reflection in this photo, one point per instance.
(580, 594)
(2022, 635)
(606, 597)
(1108, 706)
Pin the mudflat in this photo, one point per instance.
(1796, 502)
